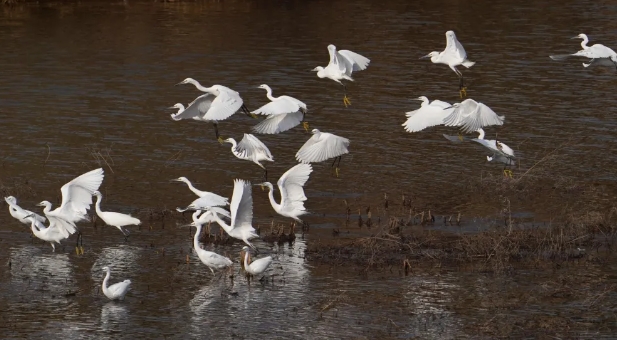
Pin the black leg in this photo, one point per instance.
(339, 162)
(266, 174)
(333, 162)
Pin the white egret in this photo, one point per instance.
(597, 53)
(258, 266)
(210, 199)
(500, 151)
(114, 219)
(117, 291)
(52, 234)
(322, 146)
(453, 55)
(23, 215)
(211, 259)
(471, 115)
(284, 112)
(292, 192)
(251, 149)
(429, 114)
(342, 64)
(76, 200)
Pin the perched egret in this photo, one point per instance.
(251, 149)
(76, 200)
(500, 151)
(597, 53)
(23, 215)
(470, 116)
(284, 112)
(209, 199)
(117, 291)
(52, 234)
(322, 146)
(258, 266)
(453, 56)
(210, 259)
(114, 219)
(429, 114)
(292, 192)
(342, 64)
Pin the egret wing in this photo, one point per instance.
(291, 185)
(197, 108)
(353, 61)
(250, 146)
(241, 204)
(208, 201)
(77, 195)
(454, 47)
(480, 117)
(279, 123)
(324, 147)
(118, 288)
(224, 105)
(427, 116)
(277, 107)
(61, 226)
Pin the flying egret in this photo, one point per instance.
(453, 56)
(117, 291)
(429, 114)
(284, 112)
(322, 146)
(292, 193)
(471, 115)
(114, 219)
(342, 64)
(22, 215)
(241, 207)
(597, 53)
(76, 200)
(209, 199)
(500, 151)
(53, 233)
(251, 149)
(258, 266)
(211, 259)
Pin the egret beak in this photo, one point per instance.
(449, 107)
(40, 205)
(426, 56)
(180, 83)
(171, 107)
(577, 37)
(175, 180)
(419, 99)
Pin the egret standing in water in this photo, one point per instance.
(342, 64)
(258, 266)
(52, 234)
(211, 259)
(284, 112)
(117, 291)
(22, 215)
(597, 53)
(114, 219)
(429, 114)
(453, 56)
(251, 149)
(322, 146)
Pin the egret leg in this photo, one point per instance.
(247, 112)
(265, 174)
(216, 131)
(462, 87)
(305, 125)
(346, 100)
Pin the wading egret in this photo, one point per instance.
(114, 219)
(470, 116)
(429, 114)
(597, 53)
(209, 199)
(76, 200)
(117, 291)
(23, 215)
(211, 259)
(284, 112)
(258, 266)
(251, 149)
(500, 151)
(292, 194)
(50, 234)
(342, 64)
(453, 56)
(322, 146)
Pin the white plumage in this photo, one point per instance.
(322, 146)
(22, 215)
(251, 149)
(597, 53)
(116, 291)
(114, 219)
(284, 113)
(500, 151)
(209, 199)
(258, 266)
(211, 259)
(470, 116)
(429, 114)
(292, 192)
(453, 55)
(52, 234)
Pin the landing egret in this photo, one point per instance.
(23, 215)
(500, 151)
(210, 199)
(251, 149)
(258, 266)
(342, 64)
(471, 115)
(322, 146)
(284, 112)
(76, 200)
(241, 207)
(117, 291)
(52, 234)
(429, 114)
(114, 219)
(292, 192)
(597, 53)
(453, 55)
(211, 259)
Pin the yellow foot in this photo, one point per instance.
(463, 92)
(81, 250)
(305, 125)
(221, 140)
(253, 115)
(346, 101)
(336, 170)
(77, 250)
(507, 173)
(460, 137)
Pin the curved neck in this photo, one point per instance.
(275, 205)
(233, 144)
(269, 94)
(193, 189)
(200, 87)
(196, 238)
(47, 209)
(584, 42)
(222, 223)
(35, 230)
(246, 260)
(425, 101)
(180, 109)
(98, 204)
(105, 280)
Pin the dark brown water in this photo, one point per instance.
(79, 79)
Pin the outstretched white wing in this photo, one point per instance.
(454, 47)
(241, 205)
(197, 108)
(322, 146)
(283, 104)
(224, 105)
(278, 123)
(77, 196)
(471, 115)
(208, 201)
(427, 116)
(352, 61)
(250, 147)
(291, 185)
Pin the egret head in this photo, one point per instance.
(44, 204)
(315, 131)
(187, 81)
(450, 35)
(228, 140)
(177, 106)
(266, 184)
(246, 249)
(263, 86)
(580, 36)
(181, 179)
(331, 47)
(105, 268)
(97, 193)
(431, 55)
(10, 199)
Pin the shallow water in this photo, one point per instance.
(96, 77)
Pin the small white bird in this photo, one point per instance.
(453, 55)
(117, 291)
(322, 146)
(429, 114)
(292, 193)
(114, 219)
(52, 234)
(210, 259)
(251, 149)
(284, 112)
(258, 266)
(471, 115)
(342, 64)
(597, 53)
(500, 151)
(22, 214)
(209, 199)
